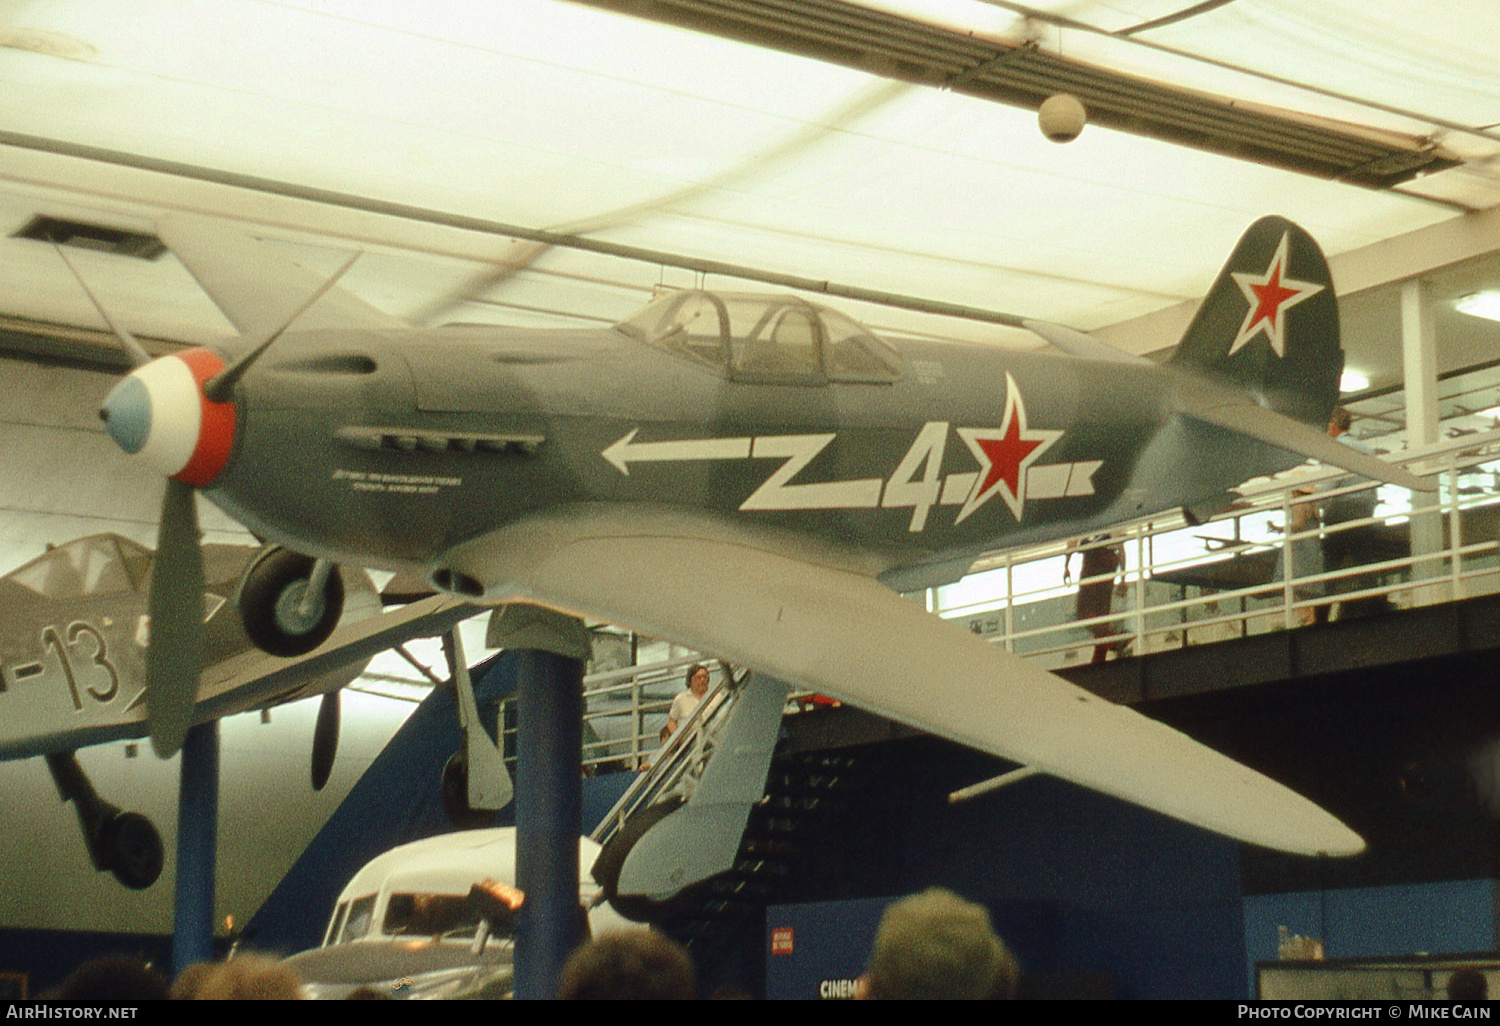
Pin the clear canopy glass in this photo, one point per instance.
(96, 565)
(779, 339)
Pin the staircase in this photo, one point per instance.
(781, 856)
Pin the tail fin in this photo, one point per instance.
(1270, 324)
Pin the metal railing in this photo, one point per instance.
(677, 766)
(624, 710)
(1237, 573)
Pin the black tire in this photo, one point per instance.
(268, 599)
(456, 796)
(132, 849)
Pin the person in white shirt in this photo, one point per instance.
(687, 701)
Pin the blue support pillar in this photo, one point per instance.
(197, 844)
(549, 650)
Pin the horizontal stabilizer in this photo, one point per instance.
(257, 286)
(1211, 404)
(1079, 344)
(804, 617)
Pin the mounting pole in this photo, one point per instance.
(549, 650)
(197, 842)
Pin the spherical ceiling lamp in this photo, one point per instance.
(1062, 117)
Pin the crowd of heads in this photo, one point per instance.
(126, 978)
(629, 965)
(246, 978)
(929, 946)
(1468, 984)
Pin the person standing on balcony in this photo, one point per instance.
(1100, 578)
(1307, 557)
(1351, 546)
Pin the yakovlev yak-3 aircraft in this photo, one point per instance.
(754, 477)
(74, 630)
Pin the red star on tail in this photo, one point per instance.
(1270, 295)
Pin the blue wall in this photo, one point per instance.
(828, 940)
(1076, 882)
(1110, 888)
(1437, 918)
(47, 957)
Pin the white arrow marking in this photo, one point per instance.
(623, 452)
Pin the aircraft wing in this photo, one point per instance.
(799, 614)
(252, 678)
(248, 680)
(256, 286)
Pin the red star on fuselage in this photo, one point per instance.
(1270, 296)
(1004, 455)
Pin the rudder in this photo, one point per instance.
(1270, 324)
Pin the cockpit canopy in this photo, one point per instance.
(97, 565)
(767, 339)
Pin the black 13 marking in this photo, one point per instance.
(100, 657)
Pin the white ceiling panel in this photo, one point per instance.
(548, 114)
(1426, 57)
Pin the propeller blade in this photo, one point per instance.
(325, 740)
(174, 658)
(137, 352)
(219, 387)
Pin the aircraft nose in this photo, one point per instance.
(159, 413)
(127, 414)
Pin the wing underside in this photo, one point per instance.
(803, 617)
(253, 678)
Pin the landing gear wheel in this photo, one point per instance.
(270, 601)
(132, 850)
(456, 796)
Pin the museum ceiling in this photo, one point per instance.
(891, 146)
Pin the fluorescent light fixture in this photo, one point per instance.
(1480, 304)
(1353, 381)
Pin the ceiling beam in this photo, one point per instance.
(448, 219)
(1023, 75)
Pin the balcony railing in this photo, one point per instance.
(1237, 573)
